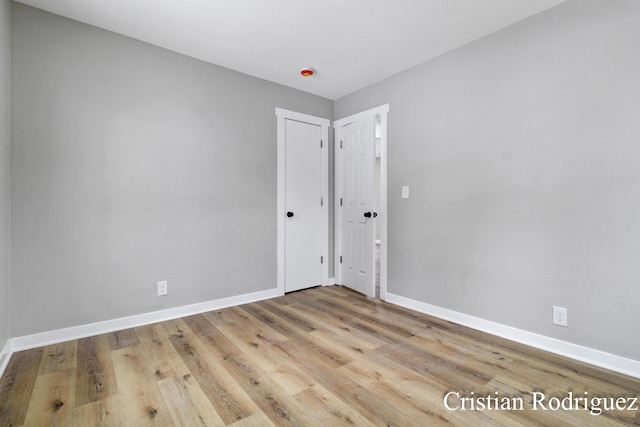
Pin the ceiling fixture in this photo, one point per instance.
(307, 72)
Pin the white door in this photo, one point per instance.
(303, 207)
(357, 141)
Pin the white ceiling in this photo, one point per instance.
(350, 43)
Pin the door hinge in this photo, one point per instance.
(321, 259)
(340, 143)
(340, 201)
(340, 259)
(320, 143)
(321, 201)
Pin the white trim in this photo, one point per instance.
(382, 214)
(283, 115)
(382, 221)
(5, 356)
(301, 117)
(584, 354)
(381, 110)
(61, 335)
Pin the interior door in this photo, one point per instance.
(303, 205)
(358, 215)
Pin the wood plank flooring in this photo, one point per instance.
(320, 357)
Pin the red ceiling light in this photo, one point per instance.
(307, 72)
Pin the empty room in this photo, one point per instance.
(333, 213)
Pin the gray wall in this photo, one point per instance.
(5, 143)
(523, 156)
(132, 164)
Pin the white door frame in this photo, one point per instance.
(382, 214)
(283, 115)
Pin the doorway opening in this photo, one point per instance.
(361, 202)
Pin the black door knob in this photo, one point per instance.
(367, 214)
(289, 214)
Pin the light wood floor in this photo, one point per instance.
(320, 357)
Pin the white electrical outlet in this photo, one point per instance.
(162, 288)
(560, 316)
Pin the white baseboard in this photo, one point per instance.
(5, 355)
(584, 354)
(61, 335)
(588, 355)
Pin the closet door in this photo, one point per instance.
(302, 192)
(303, 223)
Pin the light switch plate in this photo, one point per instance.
(405, 191)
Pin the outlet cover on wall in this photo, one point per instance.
(162, 288)
(559, 316)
